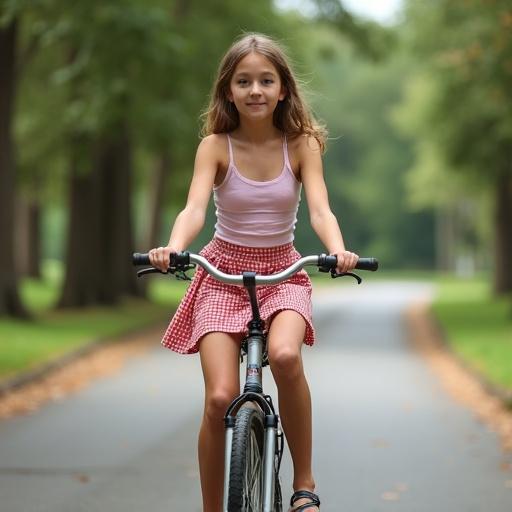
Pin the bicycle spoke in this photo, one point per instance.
(253, 476)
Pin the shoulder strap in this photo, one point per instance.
(285, 152)
(230, 150)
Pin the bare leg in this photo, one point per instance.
(220, 354)
(286, 337)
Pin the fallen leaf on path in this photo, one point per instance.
(457, 380)
(390, 496)
(380, 443)
(102, 362)
(84, 479)
(401, 487)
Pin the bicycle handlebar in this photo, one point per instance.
(325, 262)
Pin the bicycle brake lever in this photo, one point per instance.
(180, 272)
(334, 274)
(149, 270)
(181, 276)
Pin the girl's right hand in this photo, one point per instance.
(160, 257)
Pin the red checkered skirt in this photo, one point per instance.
(211, 306)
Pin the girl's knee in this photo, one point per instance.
(217, 402)
(285, 362)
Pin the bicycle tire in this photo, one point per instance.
(278, 497)
(245, 477)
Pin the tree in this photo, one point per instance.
(108, 86)
(103, 83)
(9, 299)
(171, 134)
(431, 184)
(370, 39)
(366, 158)
(466, 50)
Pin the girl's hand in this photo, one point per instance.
(160, 257)
(346, 261)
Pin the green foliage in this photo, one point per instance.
(456, 111)
(84, 66)
(431, 180)
(466, 50)
(369, 39)
(41, 294)
(25, 345)
(88, 64)
(478, 327)
(367, 159)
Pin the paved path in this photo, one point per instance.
(386, 435)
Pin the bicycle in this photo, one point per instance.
(254, 442)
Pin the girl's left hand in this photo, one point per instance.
(346, 261)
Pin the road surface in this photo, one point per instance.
(386, 435)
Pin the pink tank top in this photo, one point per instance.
(257, 213)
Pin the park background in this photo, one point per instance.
(100, 105)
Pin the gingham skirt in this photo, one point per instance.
(211, 306)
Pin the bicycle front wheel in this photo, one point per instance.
(246, 471)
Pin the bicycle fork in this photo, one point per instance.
(253, 392)
(271, 449)
(268, 491)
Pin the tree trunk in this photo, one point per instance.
(10, 303)
(156, 200)
(445, 239)
(115, 166)
(503, 235)
(83, 247)
(130, 284)
(100, 241)
(28, 237)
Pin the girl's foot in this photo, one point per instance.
(304, 501)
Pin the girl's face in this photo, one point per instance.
(255, 87)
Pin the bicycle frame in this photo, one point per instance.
(253, 389)
(253, 392)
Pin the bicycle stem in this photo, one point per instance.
(256, 326)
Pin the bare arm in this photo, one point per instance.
(323, 221)
(190, 220)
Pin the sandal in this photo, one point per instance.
(297, 495)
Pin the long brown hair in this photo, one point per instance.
(292, 115)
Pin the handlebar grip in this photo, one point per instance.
(371, 264)
(328, 261)
(140, 259)
(182, 258)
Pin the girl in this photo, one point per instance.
(261, 146)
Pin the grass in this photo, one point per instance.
(478, 326)
(51, 333)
